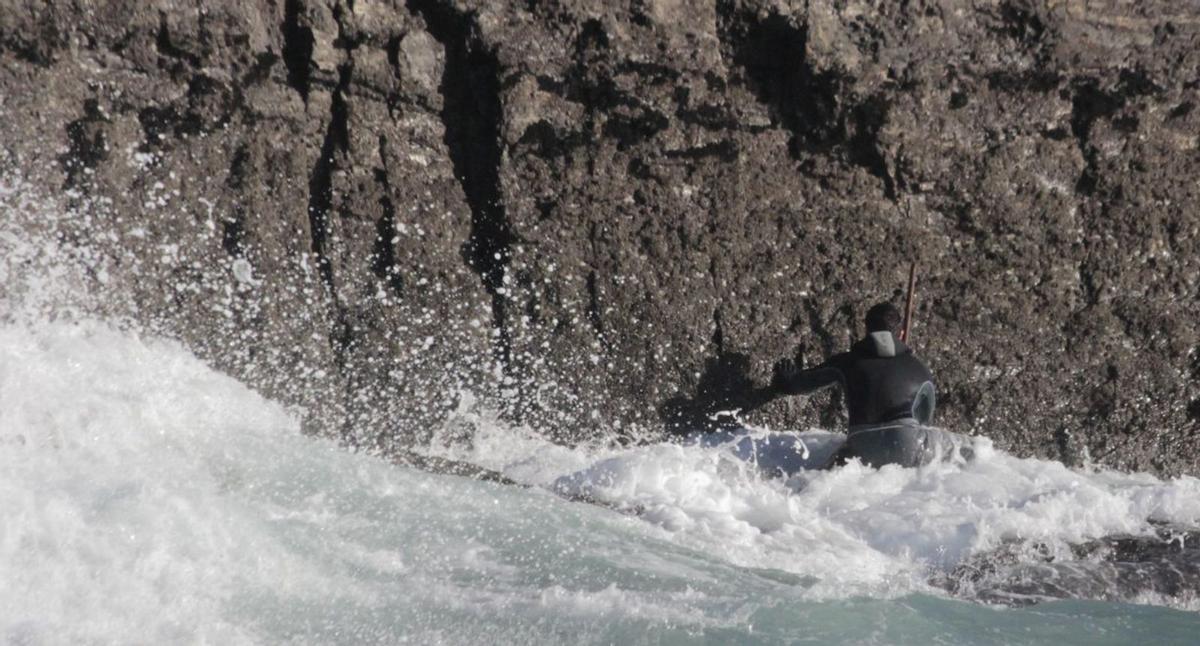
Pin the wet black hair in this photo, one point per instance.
(883, 317)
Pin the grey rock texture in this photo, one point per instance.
(615, 216)
(1112, 568)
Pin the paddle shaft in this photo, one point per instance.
(908, 302)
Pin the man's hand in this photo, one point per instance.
(786, 369)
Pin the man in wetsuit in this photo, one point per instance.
(889, 393)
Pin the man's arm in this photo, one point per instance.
(788, 380)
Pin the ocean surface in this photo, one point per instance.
(147, 498)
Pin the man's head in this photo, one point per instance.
(883, 317)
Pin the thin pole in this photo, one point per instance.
(908, 302)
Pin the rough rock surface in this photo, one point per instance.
(1117, 568)
(617, 215)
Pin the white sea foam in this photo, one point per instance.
(114, 452)
(856, 530)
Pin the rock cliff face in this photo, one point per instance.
(617, 215)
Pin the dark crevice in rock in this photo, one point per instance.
(260, 71)
(88, 144)
(233, 229)
(1035, 80)
(1193, 410)
(334, 148)
(1056, 134)
(39, 43)
(1090, 103)
(1087, 282)
(393, 99)
(617, 113)
(816, 107)
(653, 73)
(718, 335)
(383, 259)
(586, 83)
(1180, 111)
(320, 205)
(639, 13)
(594, 304)
(349, 38)
(165, 47)
(621, 115)
(543, 140)
(392, 49)
(160, 122)
(771, 52)
(1022, 24)
(209, 105)
(472, 116)
(717, 118)
(632, 129)
(863, 143)
(298, 43)
(30, 53)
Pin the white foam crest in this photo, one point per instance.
(145, 496)
(103, 437)
(476, 433)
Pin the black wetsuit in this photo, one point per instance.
(890, 396)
